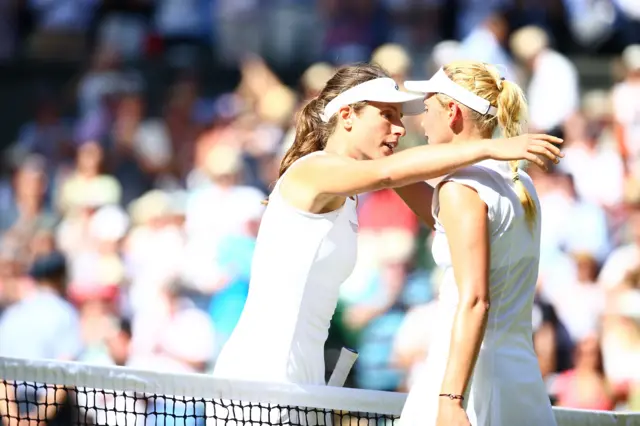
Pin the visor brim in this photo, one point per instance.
(412, 103)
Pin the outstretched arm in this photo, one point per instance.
(464, 217)
(318, 181)
(332, 176)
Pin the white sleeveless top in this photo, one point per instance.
(299, 263)
(515, 250)
(506, 387)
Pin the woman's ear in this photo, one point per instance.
(345, 114)
(454, 114)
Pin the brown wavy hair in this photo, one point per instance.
(311, 132)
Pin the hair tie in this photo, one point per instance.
(502, 78)
(515, 176)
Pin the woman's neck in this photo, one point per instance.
(467, 136)
(337, 144)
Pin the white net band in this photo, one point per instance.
(123, 396)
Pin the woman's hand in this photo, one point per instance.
(530, 147)
(451, 413)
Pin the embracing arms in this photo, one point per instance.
(329, 176)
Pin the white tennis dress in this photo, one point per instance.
(506, 388)
(300, 261)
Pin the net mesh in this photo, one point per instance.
(54, 393)
(71, 405)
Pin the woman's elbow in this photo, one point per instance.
(384, 178)
(476, 303)
(389, 175)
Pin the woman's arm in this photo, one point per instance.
(418, 197)
(464, 217)
(332, 175)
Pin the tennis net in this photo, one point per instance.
(37, 392)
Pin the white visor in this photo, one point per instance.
(377, 90)
(441, 83)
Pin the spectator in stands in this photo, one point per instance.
(154, 249)
(585, 151)
(97, 271)
(314, 78)
(206, 224)
(234, 257)
(625, 258)
(551, 74)
(626, 111)
(552, 342)
(48, 134)
(376, 312)
(487, 43)
(173, 334)
(88, 180)
(621, 342)
(395, 60)
(591, 24)
(567, 215)
(581, 319)
(26, 211)
(411, 342)
(13, 262)
(585, 386)
(49, 322)
(119, 342)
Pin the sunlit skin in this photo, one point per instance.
(448, 123)
(373, 132)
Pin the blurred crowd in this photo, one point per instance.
(343, 30)
(126, 237)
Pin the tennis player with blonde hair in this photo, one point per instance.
(482, 368)
(306, 247)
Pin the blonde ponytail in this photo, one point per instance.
(527, 202)
(512, 108)
(485, 81)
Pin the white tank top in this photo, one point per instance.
(299, 263)
(506, 387)
(515, 250)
